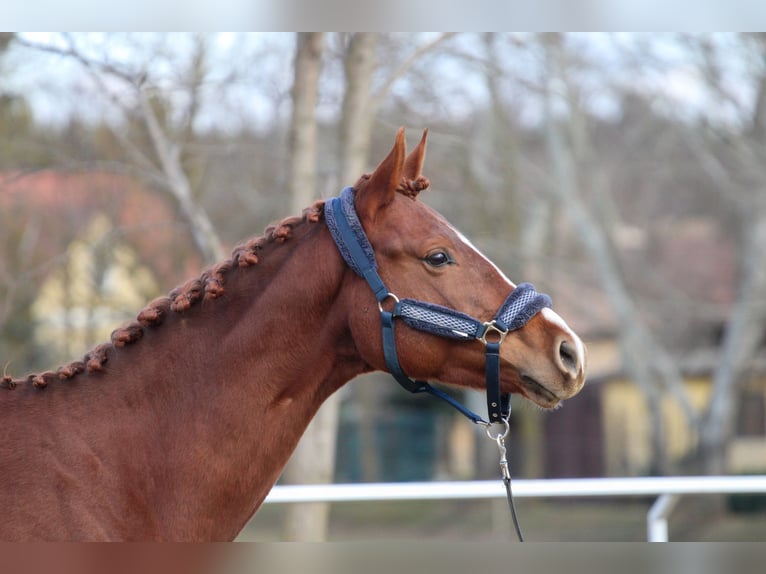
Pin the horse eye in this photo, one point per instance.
(438, 258)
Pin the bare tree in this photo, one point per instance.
(651, 367)
(731, 151)
(313, 461)
(302, 184)
(358, 108)
(357, 117)
(734, 162)
(161, 166)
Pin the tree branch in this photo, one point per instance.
(385, 89)
(205, 237)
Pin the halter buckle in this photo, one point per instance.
(492, 329)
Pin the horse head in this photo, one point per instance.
(422, 257)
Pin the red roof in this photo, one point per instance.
(51, 208)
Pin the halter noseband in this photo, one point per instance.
(517, 309)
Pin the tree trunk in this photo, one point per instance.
(359, 109)
(742, 337)
(205, 237)
(313, 461)
(303, 127)
(744, 331)
(358, 114)
(638, 348)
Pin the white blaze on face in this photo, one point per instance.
(467, 241)
(548, 314)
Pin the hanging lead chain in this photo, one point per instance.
(505, 473)
(499, 438)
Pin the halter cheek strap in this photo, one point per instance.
(518, 308)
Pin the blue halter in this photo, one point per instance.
(518, 308)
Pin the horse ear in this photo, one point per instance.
(379, 190)
(413, 165)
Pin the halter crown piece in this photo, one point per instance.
(518, 308)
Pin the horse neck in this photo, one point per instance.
(226, 389)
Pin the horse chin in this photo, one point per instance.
(537, 393)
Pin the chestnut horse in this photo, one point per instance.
(178, 428)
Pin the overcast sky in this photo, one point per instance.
(58, 87)
(375, 15)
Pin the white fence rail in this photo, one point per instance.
(667, 489)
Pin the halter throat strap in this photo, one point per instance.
(517, 309)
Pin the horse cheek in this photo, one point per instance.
(366, 329)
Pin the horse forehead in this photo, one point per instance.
(475, 250)
(431, 222)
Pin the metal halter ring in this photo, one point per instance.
(388, 296)
(491, 327)
(501, 435)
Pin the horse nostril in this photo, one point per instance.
(568, 357)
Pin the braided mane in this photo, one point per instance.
(207, 287)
